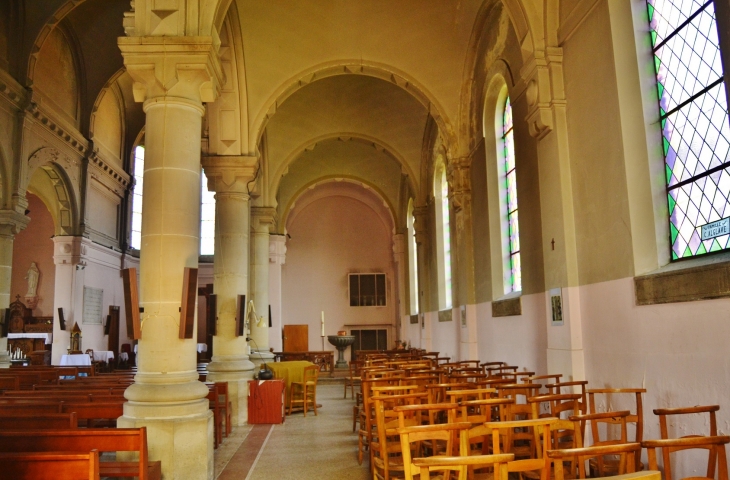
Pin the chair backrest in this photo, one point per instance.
(538, 460)
(571, 387)
(451, 437)
(627, 452)
(663, 413)
(627, 398)
(311, 373)
(462, 464)
(715, 445)
(596, 420)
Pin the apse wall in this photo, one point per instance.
(34, 244)
(328, 239)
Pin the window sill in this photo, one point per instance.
(446, 315)
(697, 279)
(508, 306)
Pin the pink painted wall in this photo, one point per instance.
(330, 238)
(34, 244)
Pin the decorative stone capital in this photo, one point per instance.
(230, 174)
(277, 249)
(263, 219)
(173, 68)
(12, 222)
(543, 75)
(420, 224)
(68, 250)
(459, 178)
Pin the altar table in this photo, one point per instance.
(289, 372)
(75, 360)
(104, 356)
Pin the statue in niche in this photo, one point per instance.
(31, 298)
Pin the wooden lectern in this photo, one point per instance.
(266, 401)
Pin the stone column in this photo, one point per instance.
(262, 219)
(229, 176)
(420, 226)
(459, 177)
(277, 258)
(547, 122)
(173, 76)
(68, 256)
(11, 223)
(401, 264)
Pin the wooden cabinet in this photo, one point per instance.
(266, 401)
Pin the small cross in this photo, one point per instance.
(553, 243)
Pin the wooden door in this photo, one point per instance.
(296, 338)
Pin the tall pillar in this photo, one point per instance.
(459, 177)
(229, 177)
(547, 122)
(173, 76)
(11, 223)
(401, 264)
(420, 226)
(262, 219)
(277, 258)
(68, 289)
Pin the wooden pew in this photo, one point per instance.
(9, 383)
(50, 466)
(24, 421)
(30, 408)
(104, 440)
(92, 412)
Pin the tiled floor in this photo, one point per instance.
(322, 447)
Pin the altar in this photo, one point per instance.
(26, 332)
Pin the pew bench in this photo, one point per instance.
(51, 465)
(51, 421)
(84, 440)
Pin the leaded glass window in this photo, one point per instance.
(136, 230)
(514, 283)
(447, 237)
(207, 217)
(694, 123)
(412, 259)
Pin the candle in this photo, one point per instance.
(323, 323)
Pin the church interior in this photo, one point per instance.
(417, 174)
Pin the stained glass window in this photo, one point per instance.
(447, 237)
(136, 237)
(510, 183)
(207, 217)
(694, 123)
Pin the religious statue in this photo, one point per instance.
(31, 298)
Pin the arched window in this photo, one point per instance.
(412, 259)
(441, 193)
(136, 230)
(513, 277)
(694, 122)
(207, 217)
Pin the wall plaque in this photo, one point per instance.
(93, 301)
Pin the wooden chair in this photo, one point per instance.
(625, 399)
(663, 413)
(715, 445)
(385, 448)
(451, 438)
(570, 387)
(225, 405)
(462, 465)
(600, 465)
(307, 388)
(540, 429)
(354, 379)
(626, 451)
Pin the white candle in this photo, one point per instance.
(323, 323)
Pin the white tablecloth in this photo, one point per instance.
(75, 360)
(47, 336)
(103, 356)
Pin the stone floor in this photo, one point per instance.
(316, 447)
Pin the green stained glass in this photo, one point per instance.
(687, 252)
(674, 232)
(672, 204)
(669, 173)
(715, 246)
(701, 250)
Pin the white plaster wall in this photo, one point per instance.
(331, 237)
(518, 340)
(678, 352)
(445, 337)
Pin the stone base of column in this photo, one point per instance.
(4, 359)
(236, 371)
(179, 432)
